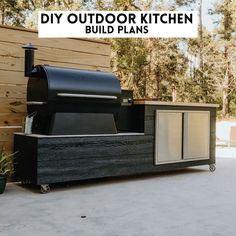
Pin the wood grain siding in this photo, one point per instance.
(12, 91)
(12, 77)
(17, 64)
(7, 50)
(11, 119)
(20, 35)
(6, 136)
(62, 159)
(72, 53)
(12, 105)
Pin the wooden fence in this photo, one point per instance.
(72, 53)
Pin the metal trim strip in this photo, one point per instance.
(80, 95)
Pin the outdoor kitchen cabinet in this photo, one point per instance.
(181, 136)
(163, 137)
(86, 127)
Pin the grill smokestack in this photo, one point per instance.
(29, 58)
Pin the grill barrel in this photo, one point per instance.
(55, 89)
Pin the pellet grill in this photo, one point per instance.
(70, 101)
(85, 127)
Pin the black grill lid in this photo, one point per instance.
(56, 89)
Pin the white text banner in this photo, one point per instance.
(118, 24)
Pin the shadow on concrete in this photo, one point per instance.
(112, 180)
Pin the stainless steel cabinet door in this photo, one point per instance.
(168, 137)
(196, 135)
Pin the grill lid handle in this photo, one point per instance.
(80, 95)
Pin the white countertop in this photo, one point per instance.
(78, 135)
(189, 104)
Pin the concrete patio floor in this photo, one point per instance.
(188, 202)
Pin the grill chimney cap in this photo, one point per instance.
(29, 46)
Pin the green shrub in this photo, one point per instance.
(6, 163)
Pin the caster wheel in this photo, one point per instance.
(45, 188)
(212, 167)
